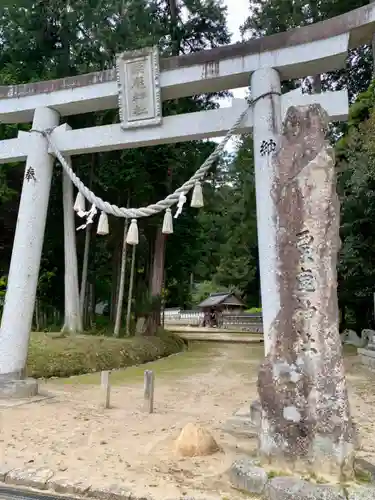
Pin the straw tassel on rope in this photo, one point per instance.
(103, 226)
(80, 203)
(180, 204)
(197, 197)
(168, 222)
(90, 214)
(132, 237)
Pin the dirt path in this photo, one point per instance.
(72, 435)
(361, 385)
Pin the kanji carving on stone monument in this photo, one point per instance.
(306, 423)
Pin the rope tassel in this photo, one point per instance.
(89, 217)
(197, 197)
(80, 204)
(103, 227)
(168, 222)
(180, 204)
(132, 237)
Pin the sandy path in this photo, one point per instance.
(72, 435)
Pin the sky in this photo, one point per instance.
(238, 10)
(237, 13)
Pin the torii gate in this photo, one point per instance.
(298, 53)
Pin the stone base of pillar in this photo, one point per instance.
(367, 356)
(246, 475)
(18, 388)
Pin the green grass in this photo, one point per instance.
(83, 356)
(184, 363)
(51, 355)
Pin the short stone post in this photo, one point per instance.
(148, 404)
(25, 262)
(306, 426)
(106, 388)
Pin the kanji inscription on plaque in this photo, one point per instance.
(139, 88)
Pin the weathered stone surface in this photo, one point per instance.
(240, 424)
(114, 492)
(364, 470)
(367, 357)
(32, 477)
(195, 441)
(369, 334)
(350, 337)
(306, 421)
(360, 493)
(288, 488)
(256, 413)
(18, 389)
(68, 486)
(244, 475)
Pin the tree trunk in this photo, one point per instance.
(157, 279)
(317, 84)
(120, 299)
(85, 265)
(73, 317)
(37, 323)
(342, 318)
(157, 273)
(373, 49)
(116, 263)
(130, 294)
(90, 305)
(85, 268)
(158, 264)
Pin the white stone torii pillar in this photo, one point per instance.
(25, 262)
(266, 92)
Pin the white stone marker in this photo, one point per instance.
(27, 250)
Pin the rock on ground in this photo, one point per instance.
(195, 441)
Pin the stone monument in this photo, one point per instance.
(306, 425)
